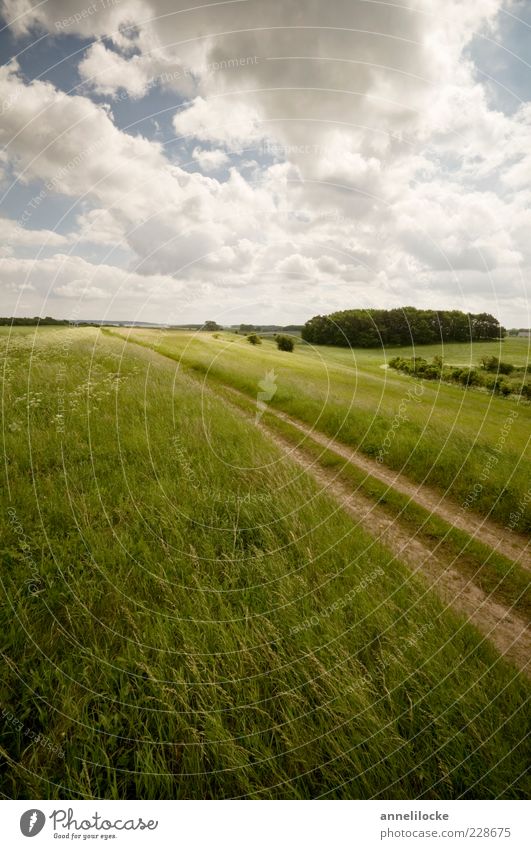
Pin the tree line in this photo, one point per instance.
(30, 322)
(402, 326)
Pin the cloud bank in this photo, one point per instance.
(304, 157)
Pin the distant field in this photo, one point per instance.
(511, 349)
(187, 616)
(448, 440)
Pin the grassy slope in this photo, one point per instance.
(186, 615)
(450, 434)
(500, 577)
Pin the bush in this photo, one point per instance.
(285, 343)
(469, 377)
(418, 364)
(432, 373)
(254, 339)
(489, 363)
(492, 381)
(494, 364)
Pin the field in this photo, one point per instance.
(450, 433)
(190, 612)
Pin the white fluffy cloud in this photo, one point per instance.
(379, 171)
(106, 71)
(70, 143)
(235, 125)
(210, 160)
(15, 235)
(75, 16)
(70, 281)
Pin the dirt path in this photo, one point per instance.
(505, 629)
(508, 632)
(513, 545)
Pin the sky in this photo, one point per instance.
(264, 160)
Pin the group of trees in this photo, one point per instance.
(284, 343)
(403, 326)
(266, 328)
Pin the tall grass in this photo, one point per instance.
(470, 445)
(187, 616)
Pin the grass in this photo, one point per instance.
(469, 445)
(498, 576)
(187, 617)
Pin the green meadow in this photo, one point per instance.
(186, 614)
(453, 438)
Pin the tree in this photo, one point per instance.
(211, 325)
(285, 343)
(403, 326)
(254, 339)
(485, 326)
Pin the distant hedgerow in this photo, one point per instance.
(489, 376)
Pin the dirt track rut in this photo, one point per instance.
(513, 545)
(505, 629)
